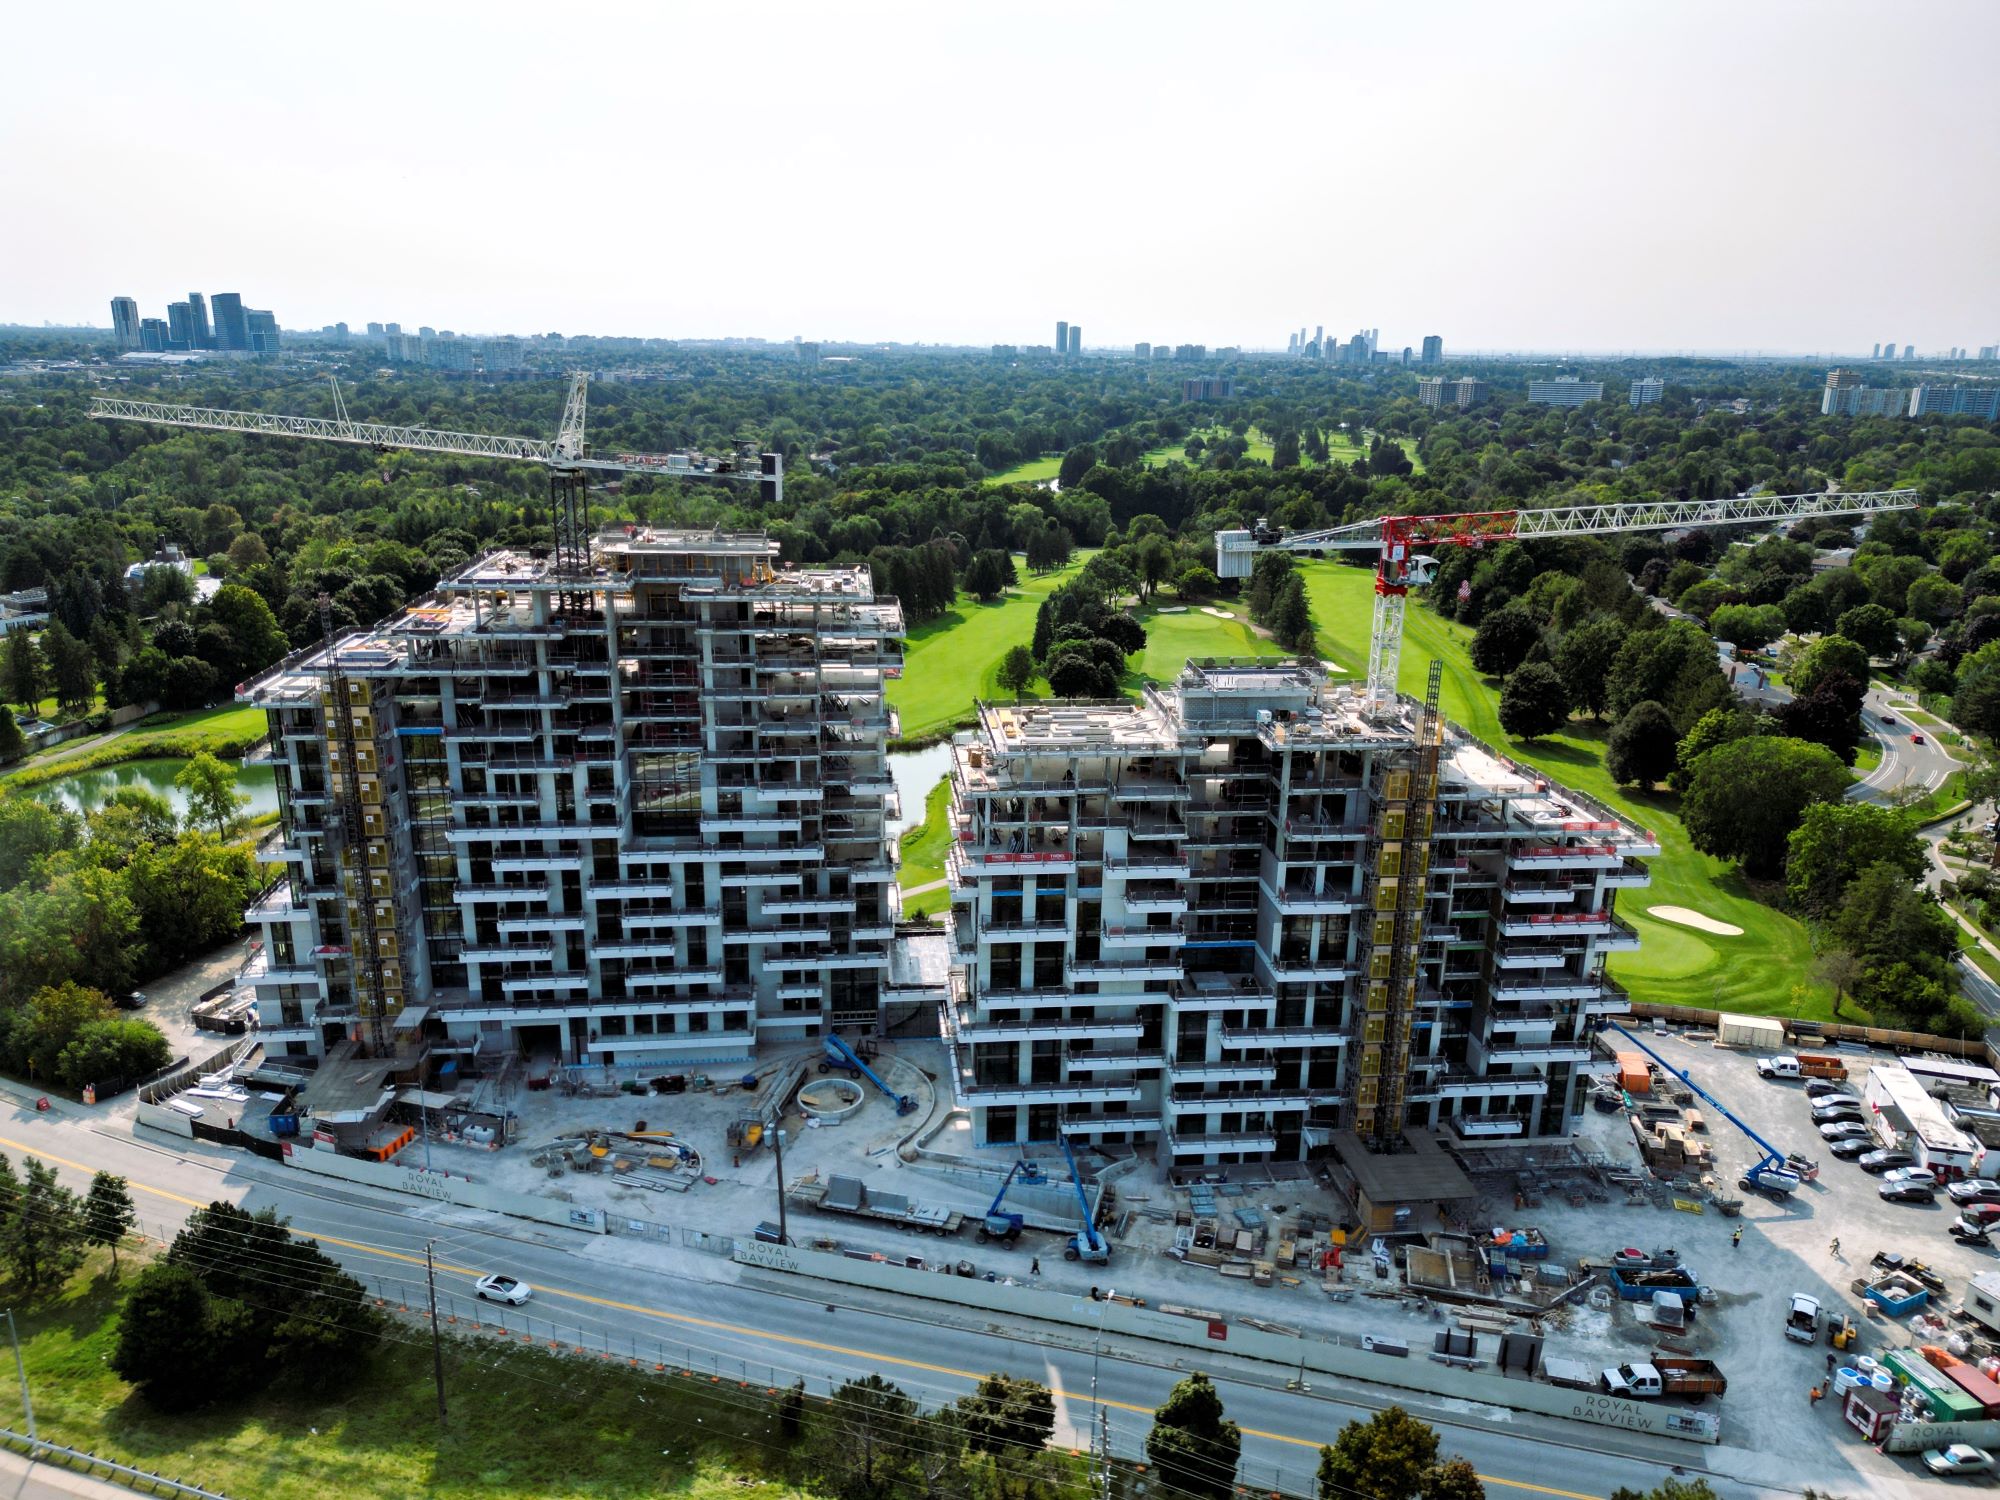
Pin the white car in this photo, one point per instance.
(1922, 1176)
(1959, 1458)
(503, 1289)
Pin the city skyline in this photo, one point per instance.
(1659, 209)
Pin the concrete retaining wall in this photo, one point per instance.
(1416, 1373)
(159, 1117)
(444, 1187)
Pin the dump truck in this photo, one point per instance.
(1666, 1375)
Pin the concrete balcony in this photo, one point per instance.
(1299, 968)
(1556, 924)
(1180, 1104)
(1292, 901)
(1534, 956)
(1475, 1086)
(546, 984)
(1554, 987)
(817, 936)
(1087, 970)
(826, 959)
(1541, 892)
(988, 1094)
(977, 861)
(968, 1029)
(1091, 1127)
(545, 922)
(1023, 932)
(1620, 939)
(1528, 1054)
(807, 906)
(649, 948)
(1488, 1127)
(526, 953)
(1139, 937)
(1565, 857)
(535, 864)
(1247, 1070)
(1143, 862)
(1143, 901)
(1112, 1062)
(1328, 1035)
(1613, 1002)
(1630, 872)
(1213, 993)
(1134, 789)
(751, 823)
(1194, 1147)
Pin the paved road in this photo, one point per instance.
(1906, 767)
(627, 1295)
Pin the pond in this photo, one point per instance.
(916, 772)
(86, 791)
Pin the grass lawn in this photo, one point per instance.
(949, 661)
(1034, 471)
(50, 713)
(1867, 757)
(524, 1422)
(1675, 965)
(923, 849)
(1172, 639)
(227, 732)
(1968, 945)
(1921, 719)
(1935, 802)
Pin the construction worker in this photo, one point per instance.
(1817, 1392)
(1833, 1247)
(1035, 1266)
(1736, 1239)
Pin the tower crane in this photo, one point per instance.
(1400, 566)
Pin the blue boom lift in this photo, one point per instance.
(1771, 1175)
(1087, 1245)
(843, 1058)
(1006, 1227)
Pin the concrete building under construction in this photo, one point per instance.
(1242, 917)
(631, 818)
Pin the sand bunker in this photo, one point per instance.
(1220, 614)
(1694, 919)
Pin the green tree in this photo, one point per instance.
(1391, 1456)
(1829, 656)
(72, 669)
(1836, 841)
(1669, 1489)
(167, 1340)
(1745, 798)
(1871, 627)
(253, 629)
(25, 675)
(13, 743)
(1748, 626)
(1716, 727)
(81, 926)
(1193, 1445)
(108, 1214)
(1504, 639)
(1641, 750)
(1584, 657)
(1533, 701)
(1017, 670)
(53, 1018)
(42, 1240)
(1197, 583)
(1155, 561)
(30, 831)
(1291, 616)
(1285, 450)
(211, 792)
(111, 1052)
(1007, 1416)
(860, 1448)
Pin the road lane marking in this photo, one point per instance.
(742, 1331)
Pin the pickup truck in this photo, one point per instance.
(1805, 1065)
(1802, 1319)
(1666, 1375)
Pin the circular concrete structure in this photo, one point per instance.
(831, 1098)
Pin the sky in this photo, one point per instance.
(1811, 176)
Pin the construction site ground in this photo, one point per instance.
(1785, 1248)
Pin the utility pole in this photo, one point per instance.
(437, 1339)
(778, 1147)
(20, 1365)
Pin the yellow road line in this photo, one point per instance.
(713, 1325)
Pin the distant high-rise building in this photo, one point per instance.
(374, 330)
(1163, 351)
(1319, 336)
(1357, 348)
(125, 322)
(203, 336)
(1878, 352)
(231, 331)
(1374, 340)
(1076, 338)
(1291, 343)
(1909, 351)
(1211, 389)
(1565, 390)
(427, 333)
(1433, 349)
(393, 330)
(1846, 396)
(1981, 401)
(180, 326)
(1468, 392)
(1431, 392)
(1647, 391)
(1142, 351)
(1989, 351)
(1062, 336)
(340, 331)
(153, 335)
(260, 330)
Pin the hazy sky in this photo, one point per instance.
(1807, 176)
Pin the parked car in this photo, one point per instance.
(1882, 1161)
(1911, 1174)
(1846, 1112)
(1906, 1192)
(1980, 1213)
(1975, 1190)
(1843, 1130)
(1850, 1147)
(131, 1000)
(1959, 1458)
(1827, 1088)
(506, 1289)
